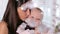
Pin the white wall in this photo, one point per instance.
(3, 4)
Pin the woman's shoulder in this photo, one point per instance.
(3, 28)
(3, 23)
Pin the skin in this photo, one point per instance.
(23, 14)
(36, 16)
(3, 28)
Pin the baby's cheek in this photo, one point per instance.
(37, 22)
(41, 16)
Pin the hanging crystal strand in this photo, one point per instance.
(57, 30)
(57, 12)
(54, 14)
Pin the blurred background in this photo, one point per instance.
(51, 9)
(3, 5)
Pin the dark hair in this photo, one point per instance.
(11, 17)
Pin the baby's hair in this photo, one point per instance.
(37, 9)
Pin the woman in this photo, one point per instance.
(11, 18)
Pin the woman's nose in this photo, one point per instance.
(28, 12)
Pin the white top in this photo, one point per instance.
(42, 29)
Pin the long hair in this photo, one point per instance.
(11, 17)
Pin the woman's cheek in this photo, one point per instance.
(22, 14)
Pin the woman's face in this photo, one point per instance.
(23, 14)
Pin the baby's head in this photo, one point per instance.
(36, 16)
